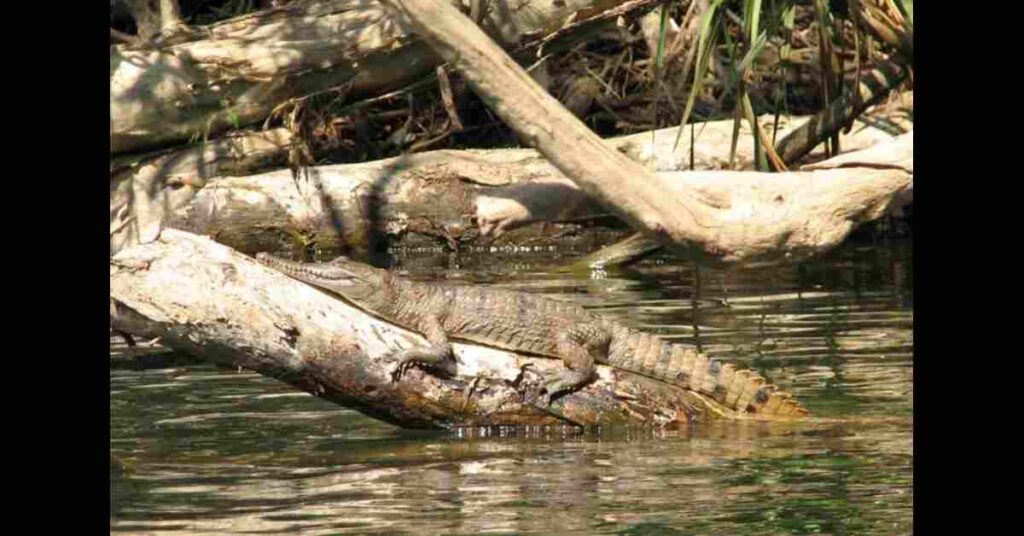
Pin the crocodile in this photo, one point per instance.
(533, 325)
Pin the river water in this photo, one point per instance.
(197, 449)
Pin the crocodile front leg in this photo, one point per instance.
(438, 356)
(574, 347)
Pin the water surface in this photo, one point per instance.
(199, 449)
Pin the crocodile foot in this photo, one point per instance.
(568, 382)
(400, 369)
(544, 393)
(407, 359)
(529, 390)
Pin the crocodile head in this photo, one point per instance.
(347, 278)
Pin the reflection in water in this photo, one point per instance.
(196, 449)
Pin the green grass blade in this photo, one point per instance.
(788, 18)
(662, 35)
(710, 28)
(752, 54)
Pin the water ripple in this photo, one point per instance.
(200, 450)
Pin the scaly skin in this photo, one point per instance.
(531, 324)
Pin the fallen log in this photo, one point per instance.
(145, 188)
(528, 201)
(467, 198)
(236, 72)
(795, 145)
(814, 212)
(206, 300)
(685, 219)
(416, 200)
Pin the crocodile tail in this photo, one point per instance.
(737, 389)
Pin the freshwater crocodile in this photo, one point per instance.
(531, 324)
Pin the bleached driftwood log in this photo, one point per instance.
(234, 73)
(145, 188)
(528, 201)
(153, 17)
(688, 219)
(446, 195)
(209, 301)
(810, 211)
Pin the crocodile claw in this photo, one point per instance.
(400, 370)
(528, 390)
(552, 391)
(447, 368)
(537, 393)
(547, 398)
(534, 391)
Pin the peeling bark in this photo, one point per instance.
(204, 299)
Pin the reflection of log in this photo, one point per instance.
(440, 195)
(757, 229)
(235, 72)
(209, 301)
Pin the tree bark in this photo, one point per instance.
(464, 198)
(234, 73)
(204, 299)
(144, 189)
(874, 86)
(621, 185)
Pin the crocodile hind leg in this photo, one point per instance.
(574, 346)
(438, 356)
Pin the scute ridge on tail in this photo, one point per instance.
(736, 388)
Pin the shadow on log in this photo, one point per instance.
(204, 299)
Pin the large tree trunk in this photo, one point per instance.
(236, 72)
(207, 300)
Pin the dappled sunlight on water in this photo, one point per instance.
(197, 449)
